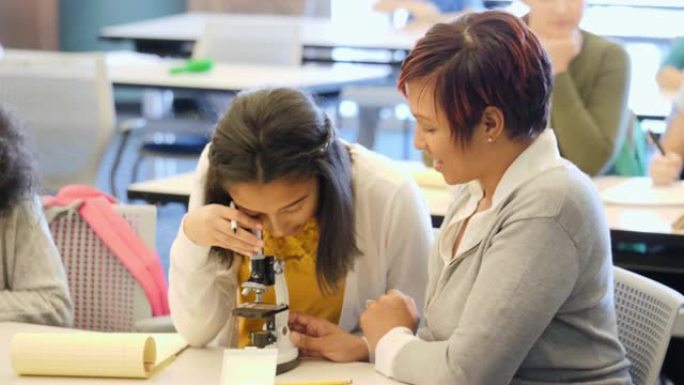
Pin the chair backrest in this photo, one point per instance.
(646, 313)
(65, 101)
(258, 39)
(105, 294)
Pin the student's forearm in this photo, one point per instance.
(673, 139)
(49, 306)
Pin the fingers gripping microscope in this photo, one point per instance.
(266, 271)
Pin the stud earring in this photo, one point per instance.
(490, 140)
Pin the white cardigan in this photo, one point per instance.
(394, 235)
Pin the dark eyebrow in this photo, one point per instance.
(252, 213)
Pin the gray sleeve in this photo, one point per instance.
(38, 290)
(527, 273)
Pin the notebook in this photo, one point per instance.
(91, 354)
(642, 192)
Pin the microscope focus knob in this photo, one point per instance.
(262, 338)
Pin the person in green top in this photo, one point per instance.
(589, 112)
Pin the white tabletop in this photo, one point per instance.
(180, 184)
(637, 23)
(631, 3)
(634, 218)
(143, 70)
(193, 366)
(148, 71)
(437, 198)
(317, 32)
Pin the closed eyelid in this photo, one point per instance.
(294, 207)
(249, 213)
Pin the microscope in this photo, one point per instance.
(266, 271)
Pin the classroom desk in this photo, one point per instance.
(148, 71)
(628, 224)
(667, 4)
(176, 189)
(193, 366)
(126, 69)
(639, 24)
(316, 32)
(636, 230)
(201, 366)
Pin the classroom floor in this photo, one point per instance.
(389, 140)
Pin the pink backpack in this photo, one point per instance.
(96, 209)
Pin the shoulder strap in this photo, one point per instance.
(143, 263)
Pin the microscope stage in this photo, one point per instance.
(258, 310)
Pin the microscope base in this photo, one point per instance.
(288, 355)
(287, 366)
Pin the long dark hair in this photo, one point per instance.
(17, 178)
(280, 133)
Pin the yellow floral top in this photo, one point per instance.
(299, 252)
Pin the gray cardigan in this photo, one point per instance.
(33, 286)
(531, 303)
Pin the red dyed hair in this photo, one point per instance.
(480, 60)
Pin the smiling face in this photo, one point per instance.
(456, 162)
(556, 19)
(283, 205)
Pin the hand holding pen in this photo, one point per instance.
(223, 226)
(665, 168)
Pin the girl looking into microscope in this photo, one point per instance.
(348, 224)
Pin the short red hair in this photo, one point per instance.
(480, 60)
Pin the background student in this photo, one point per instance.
(347, 223)
(33, 286)
(589, 112)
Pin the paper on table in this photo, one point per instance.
(249, 366)
(90, 354)
(640, 191)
